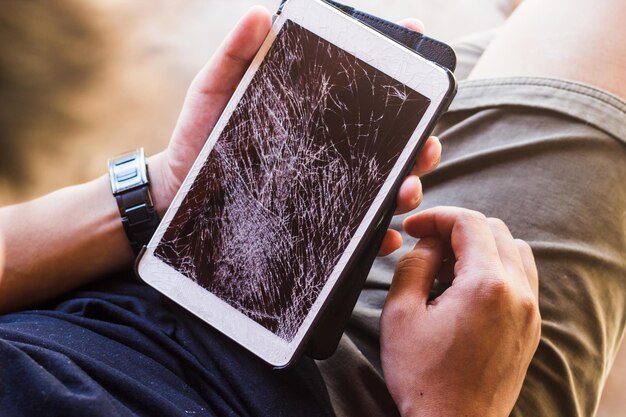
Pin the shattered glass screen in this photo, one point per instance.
(290, 179)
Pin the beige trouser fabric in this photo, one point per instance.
(549, 158)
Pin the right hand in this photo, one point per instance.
(465, 353)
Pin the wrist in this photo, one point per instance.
(160, 187)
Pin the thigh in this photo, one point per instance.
(578, 40)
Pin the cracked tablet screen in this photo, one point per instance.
(290, 178)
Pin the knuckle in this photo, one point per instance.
(498, 224)
(412, 262)
(524, 246)
(398, 310)
(528, 307)
(414, 256)
(492, 289)
(472, 216)
(495, 287)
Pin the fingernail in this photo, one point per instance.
(417, 200)
(426, 242)
(439, 158)
(436, 163)
(416, 183)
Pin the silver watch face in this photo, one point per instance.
(128, 171)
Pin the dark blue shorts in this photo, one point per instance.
(117, 348)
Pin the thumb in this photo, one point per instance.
(210, 91)
(415, 272)
(214, 85)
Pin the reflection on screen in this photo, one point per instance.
(290, 179)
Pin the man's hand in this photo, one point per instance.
(207, 97)
(466, 352)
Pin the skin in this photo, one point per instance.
(74, 236)
(467, 352)
(578, 40)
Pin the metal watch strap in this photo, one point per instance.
(129, 183)
(139, 217)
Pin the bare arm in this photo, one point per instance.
(59, 242)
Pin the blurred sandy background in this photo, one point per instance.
(84, 80)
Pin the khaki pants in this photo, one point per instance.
(548, 157)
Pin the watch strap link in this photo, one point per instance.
(139, 217)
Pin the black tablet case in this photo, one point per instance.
(331, 323)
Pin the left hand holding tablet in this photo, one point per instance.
(207, 97)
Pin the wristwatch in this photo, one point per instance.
(129, 183)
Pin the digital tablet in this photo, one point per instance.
(303, 163)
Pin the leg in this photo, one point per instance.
(469, 50)
(578, 40)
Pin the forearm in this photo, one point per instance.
(59, 242)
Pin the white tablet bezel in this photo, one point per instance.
(370, 46)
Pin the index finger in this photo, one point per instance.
(467, 232)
